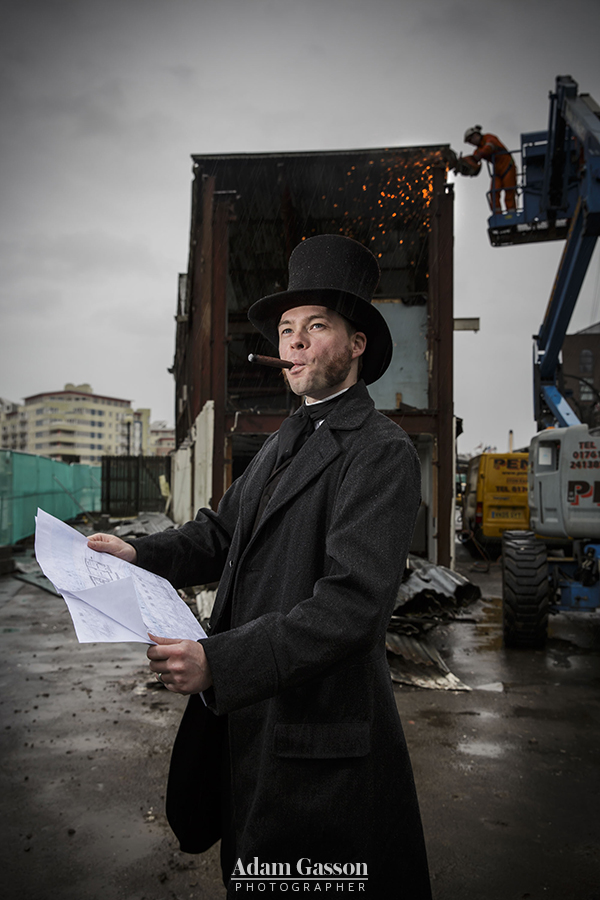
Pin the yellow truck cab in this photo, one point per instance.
(495, 498)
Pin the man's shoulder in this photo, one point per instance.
(381, 452)
(358, 416)
(375, 433)
(380, 427)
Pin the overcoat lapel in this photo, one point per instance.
(309, 463)
(249, 504)
(253, 491)
(312, 459)
(318, 452)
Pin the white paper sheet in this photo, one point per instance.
(109, 599)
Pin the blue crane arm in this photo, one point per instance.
(559, 407)
(574, 263)
(570, 114)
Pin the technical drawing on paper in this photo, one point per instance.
(99, 572)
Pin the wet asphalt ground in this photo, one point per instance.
(508, 773)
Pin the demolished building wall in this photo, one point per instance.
(248, 213)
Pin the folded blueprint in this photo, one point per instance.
(109, 599)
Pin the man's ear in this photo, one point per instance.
(359, 344)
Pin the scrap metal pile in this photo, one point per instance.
(429, 595)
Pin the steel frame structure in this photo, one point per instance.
(204, 335)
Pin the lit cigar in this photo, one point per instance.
(270, 361)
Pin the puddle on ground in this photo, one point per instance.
(574, 715)
(494, 686)
(441, 718)
(488, 629)
(487, 749)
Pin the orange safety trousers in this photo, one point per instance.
(507, 183)
(504, 176)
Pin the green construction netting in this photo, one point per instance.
(26, 481)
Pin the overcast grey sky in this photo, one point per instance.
(104, 101)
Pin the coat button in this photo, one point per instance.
(231, 564)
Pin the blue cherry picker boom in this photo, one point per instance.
(560, 198)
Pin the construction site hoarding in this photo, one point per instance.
(248, 213)
(27, 481)
(134, 484)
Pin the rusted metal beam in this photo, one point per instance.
(218, 342)
(192, 348)
(441, 314)
(201, 375)
(419, 422)
(266, 423)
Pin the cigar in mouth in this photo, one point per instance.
(270, 361)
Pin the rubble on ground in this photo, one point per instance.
(428, 596)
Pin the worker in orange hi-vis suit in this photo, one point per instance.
(504, 173)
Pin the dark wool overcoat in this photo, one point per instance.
(302, 694)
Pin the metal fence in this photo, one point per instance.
(27, 481)
(133, 484)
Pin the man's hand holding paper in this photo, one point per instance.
(110, 543)
(109, 598)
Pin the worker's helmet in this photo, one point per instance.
(476, 129)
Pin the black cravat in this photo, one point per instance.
(294, 432)
(296, 429)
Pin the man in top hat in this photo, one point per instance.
(293, 754)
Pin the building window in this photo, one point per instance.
(586, 362)
(586, 392)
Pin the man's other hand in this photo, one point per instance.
(110, 543)
(181, 665)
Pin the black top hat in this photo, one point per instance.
(337, 272)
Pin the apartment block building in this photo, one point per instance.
(162, 439)
(13, 426)
(76, 425)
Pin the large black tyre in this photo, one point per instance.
(525, 590)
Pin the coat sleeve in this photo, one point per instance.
(195, 553)
(347, 615)
(484, 151)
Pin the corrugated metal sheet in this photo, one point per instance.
(433, 584)
(416, 662)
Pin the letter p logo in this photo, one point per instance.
(577, 489)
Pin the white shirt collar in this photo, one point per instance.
(331, 397)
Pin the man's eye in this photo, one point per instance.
(318, 325)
